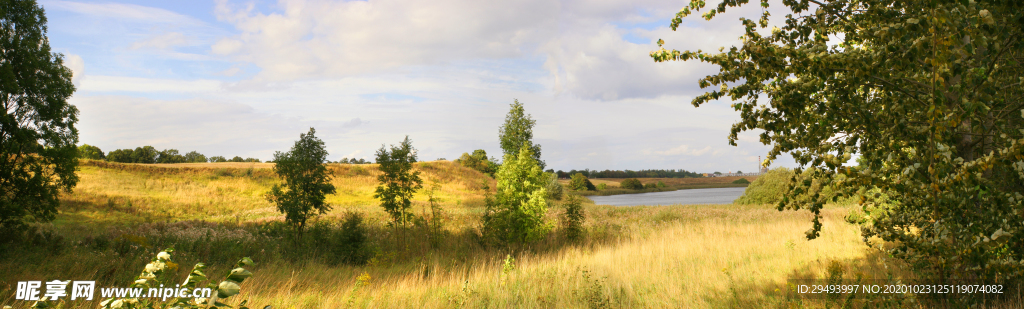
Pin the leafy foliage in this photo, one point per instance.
(159, 272)
(351, 245)
(306, 181)
(218, 159)
(517, 132)
(553, 187)
(170, 156)
(38, 155)
(478, 161)
(581, 183)
(928, 93)
(741, 181)
(195, 157)
(631, 183)
(398, 182)
(515, 213)
(573, 217)
(90, 152)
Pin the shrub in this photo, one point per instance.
(767, 189)
(741, 181)
(602, 186)
(631, 183)
(478, 161)
(650, 186)
(661, 184)
(581, 183)
(349, 243)
(553, 187)
(573, 218)
(515, 214)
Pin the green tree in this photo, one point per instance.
(121, 156)
(90, 152)
(927, 93)
(515, 214)
(478, 161)
(195, 157)
(398, 182)
(517, 132)
(573, 218)
(145, 154)
(170, 156)
(236, 159)
(307, 183)
(581, 183)
(218, 159)
(38, 155)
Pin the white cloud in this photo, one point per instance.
(684, 150)
(163, 41)
(102, 83)
(121, 11)
(328, 38)
(77, 66)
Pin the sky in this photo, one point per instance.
(237, 78)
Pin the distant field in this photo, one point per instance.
(614, 182)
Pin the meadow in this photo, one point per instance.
(681, 256)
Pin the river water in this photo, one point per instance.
(685, 197)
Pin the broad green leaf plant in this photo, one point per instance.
(929, 95)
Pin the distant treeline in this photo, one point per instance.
(148, 154)
(631, 174)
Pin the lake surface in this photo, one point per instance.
(688, 196)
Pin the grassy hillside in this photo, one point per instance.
(700, 256)
(124, 194)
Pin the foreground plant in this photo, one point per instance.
(929, 95)
(160, 269)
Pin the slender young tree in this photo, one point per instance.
(517, 132)
(398, 181)
(515, 214)
(38, 155)
(307, 182)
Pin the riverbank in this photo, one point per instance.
(671, 184)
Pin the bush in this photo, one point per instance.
(631, 183)
(478, 161)
(581, 183)
(767, 189)
(650, 186)
(349, 243)
(515, 214)
(602, 186)
(554, 188)
(661, 184)
(741, 181)
(573, 218)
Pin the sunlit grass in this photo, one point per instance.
(681, 256)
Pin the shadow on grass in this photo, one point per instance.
(876, 268)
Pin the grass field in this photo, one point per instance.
(682, 256)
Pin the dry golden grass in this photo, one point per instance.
(691, 257)
(682, 256)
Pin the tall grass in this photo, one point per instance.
(699, 256)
